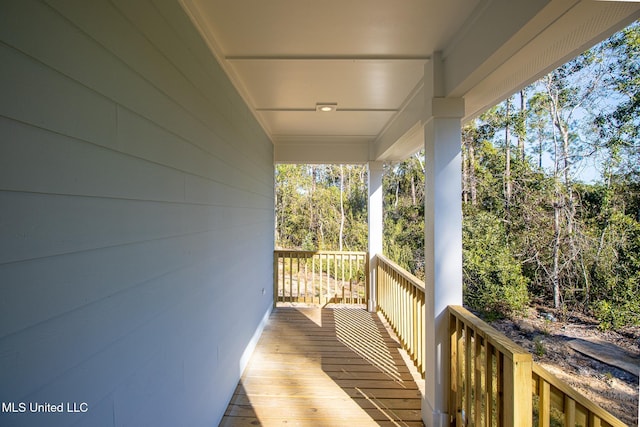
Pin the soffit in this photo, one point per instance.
(368, 56)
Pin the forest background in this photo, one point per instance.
(551, 195)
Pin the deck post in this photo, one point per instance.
(375, 221)
(443, 236)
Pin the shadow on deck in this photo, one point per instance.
(326, 367)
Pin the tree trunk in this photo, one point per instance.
(540, 149)
(567, 201)
(558, 202)
(555, 272)
(395, 203)
(468, 170)
(413, 190)
(523, 126)
(465, 171)
(472, 175)
(507, 166)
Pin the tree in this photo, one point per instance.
(321, 207)
(493, 280)
(619, 125)
(403, 186)
(566, 96)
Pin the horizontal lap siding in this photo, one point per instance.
(136, 220)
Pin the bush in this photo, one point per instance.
(493, 280)
(615, 315)
(616, 276)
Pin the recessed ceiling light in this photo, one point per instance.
(326, 107)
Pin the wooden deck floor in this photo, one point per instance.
(329, 367)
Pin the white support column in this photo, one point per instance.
(443, 239)
(375, 226)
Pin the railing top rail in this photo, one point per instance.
(303, 252)
(419, 284)
(576, 396)
(496, 338)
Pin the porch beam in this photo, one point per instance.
(321, 150)
(307, 57)
(403, 135)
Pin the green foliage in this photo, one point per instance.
(617, 315)
(403, 186)
(614, 258)
(493, 280)
(619, 125)
(617, 273)
(539, 348)
(312, 201)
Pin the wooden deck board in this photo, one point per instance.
(329, 367)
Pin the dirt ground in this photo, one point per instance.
(546, 334)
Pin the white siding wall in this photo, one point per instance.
(136, 216)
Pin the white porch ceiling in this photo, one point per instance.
(368, 56)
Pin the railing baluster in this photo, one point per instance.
(308, 294)
(569, 412)
(276, 261)
(500, 388)
(477, 382)
(461, 356)
(414, 316)
(544, 404)
(467, 373)
(488, 375)
(352, 279)
(322, 297)
(298, 276)
(335, 276)
(423, 358)
(291, 277)
(284, 272)
(342, 271)
(453, 372)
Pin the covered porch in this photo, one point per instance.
(350, 95)
(137, 157)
